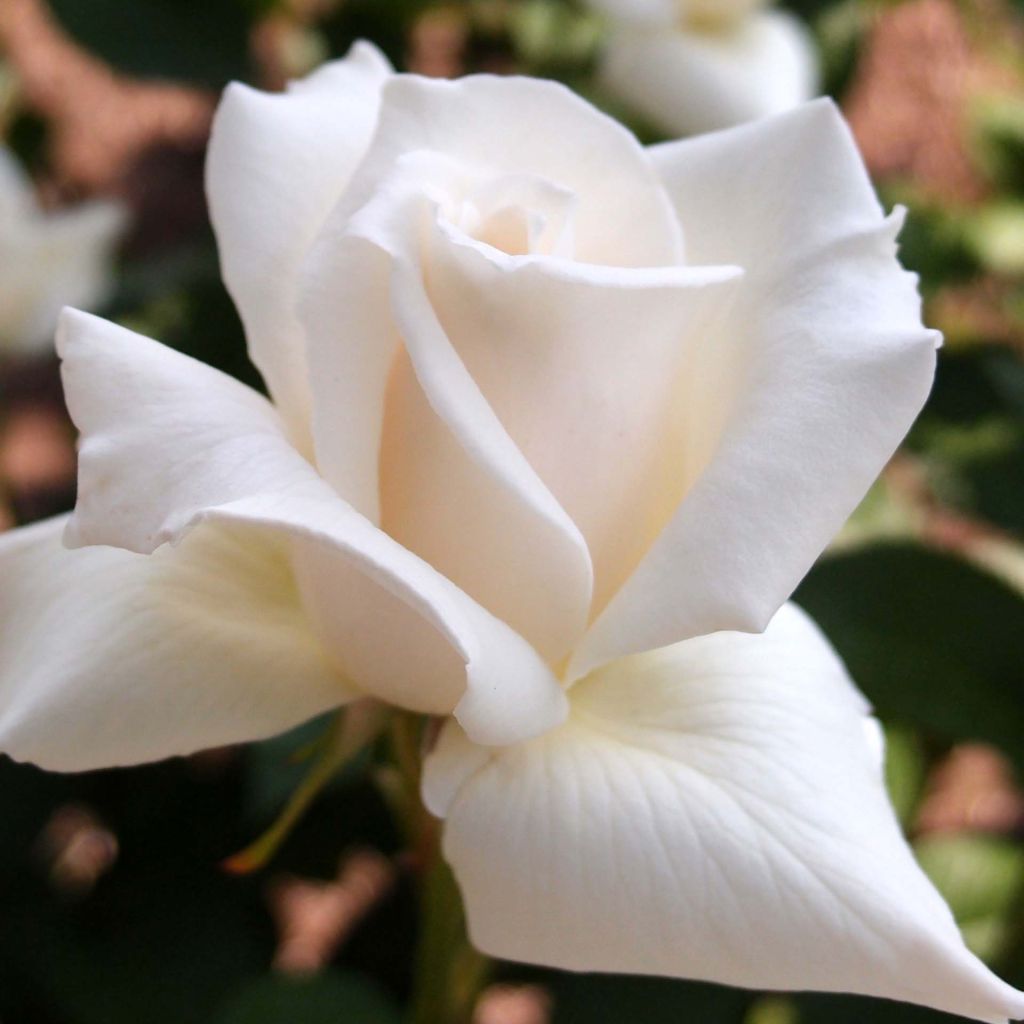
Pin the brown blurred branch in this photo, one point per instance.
(101, 122)
(909, 101)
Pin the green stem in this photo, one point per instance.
(448, 973)
(348, 733)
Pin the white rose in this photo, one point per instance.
(690, 66)
(547, 408)
(671, 13)
(49, 260)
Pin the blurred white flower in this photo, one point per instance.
(49, 260)
(690, 66)
(524, 451)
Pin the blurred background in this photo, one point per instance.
(114, 904)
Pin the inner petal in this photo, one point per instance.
(510, 229)
(585, 367)
(453, 486)
(518, 215)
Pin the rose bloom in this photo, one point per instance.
(49, 260)
(689, 66)
(557, 424)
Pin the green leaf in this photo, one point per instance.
(201, 41)
(549, 37)
(934, 643)
(978, 874)
(811, 8)
(163, 936)
(161, 949)
(996, 235)
(773, 1010)
(989, 937)
(275, 767)
(997, 122)
(387, 24)
(180, 299)
(332, 997)
(828, 1009)
(971, 435)
(905, 769)
(611, 999)
(348, 734)
(981, 877)
(933, 241)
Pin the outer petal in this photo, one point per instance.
(168, 442)
(690, 81)
(817, 373)
(710, 810)
(403, 632)
(163, 437)
(276, 166)
(110, 658)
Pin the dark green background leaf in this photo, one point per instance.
(328, 998)
(932, 641)
(202, 41)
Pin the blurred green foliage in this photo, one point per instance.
(604, 999)
(932, 641)
(971, 435)
(200, 41)
(326, 998)
(981, 877)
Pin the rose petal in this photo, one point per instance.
(512, 125)
(809, 385)
(506, 541)
(402, 631)
(277, 163)
(587, 369)
(168, 443)
(163, 437)
(110, 658)
(711, 810)
(481, 126)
